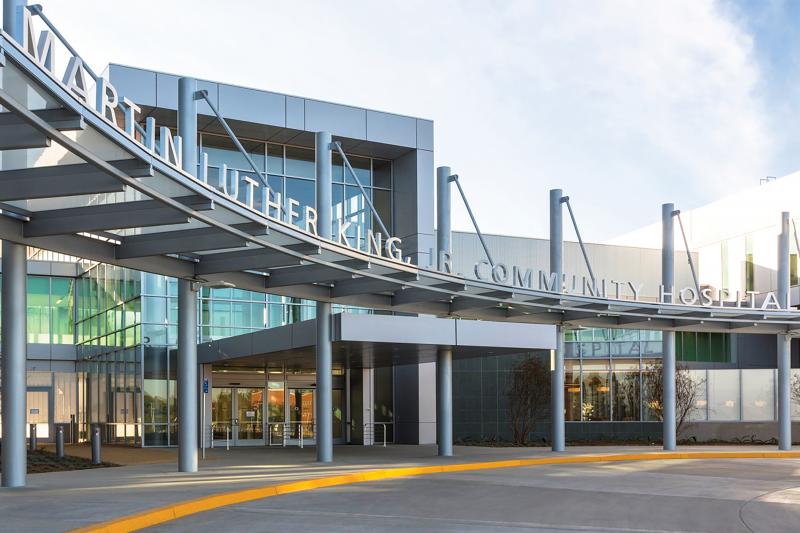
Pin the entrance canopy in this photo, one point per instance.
(74, 182)
(369, 341)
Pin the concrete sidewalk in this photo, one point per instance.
(62, 501)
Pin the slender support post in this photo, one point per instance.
(187, 123)
(557, 438)
(784, 342)
(443, 206)
(444, 401)
(324, 414)
(187, 376)
(668, 358)
(13, 18)
(14, 331)
(187, 298)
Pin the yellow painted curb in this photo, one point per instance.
(178, 510)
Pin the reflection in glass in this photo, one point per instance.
(300, 162)
(758, 394)
(627, 387)
(596, 391)
(572, 391)
(723, 394)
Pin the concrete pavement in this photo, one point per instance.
(694, 495)
(67, 500)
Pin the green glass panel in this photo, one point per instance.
(38, 310)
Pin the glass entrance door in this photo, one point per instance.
(301, 414)
(249, 421)
(237, 415)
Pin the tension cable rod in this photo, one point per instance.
(338, 146)
(677, 214)
(454, 178)
(565, 200)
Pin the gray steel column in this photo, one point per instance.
(324, 414)
(187, 123)
(557, 378)
(784, 342)
(668, 358)
(187, 299)
(444, 401)
(14, 332)
(443, 206)
(187, 377)
(12, 21)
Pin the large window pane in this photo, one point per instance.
(62, 306)
(382, 173)
(275, 158)
(626, 386)
(361, 166)
(221, 150)
(300, 162)
(382, 200)
(38, 310)
(303, 191)
(723, 394)
(596, 391)
(758, 394)
(572, 391)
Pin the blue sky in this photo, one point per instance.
(624, 104)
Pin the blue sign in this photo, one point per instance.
(205, 385)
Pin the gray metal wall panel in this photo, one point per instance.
(505, 334)
(338, 119)
(406, 408)
(38, 268)
(63, 352)
(397, 329)
(620, 263)
(137, 85)
(295, 113)
(413, 197)
(425, 134)
(252, 106)
(393, 129)
(304, 334)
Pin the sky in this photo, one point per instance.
(624, 105)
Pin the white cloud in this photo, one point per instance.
(622, 104)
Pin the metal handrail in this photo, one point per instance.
(372, 426)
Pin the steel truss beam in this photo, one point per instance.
(105, 217)
(256, 259)
(285, 277)
(16, 134)
(185, 241)
(66, 180)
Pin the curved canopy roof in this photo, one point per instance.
(74, 183)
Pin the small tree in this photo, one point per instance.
(795, 388)
(687, 393)
(528, 397)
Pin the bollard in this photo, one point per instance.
(60, 441)
(73, 430)
(96, 444)
(32, 439)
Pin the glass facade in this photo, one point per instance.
(289, 171)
